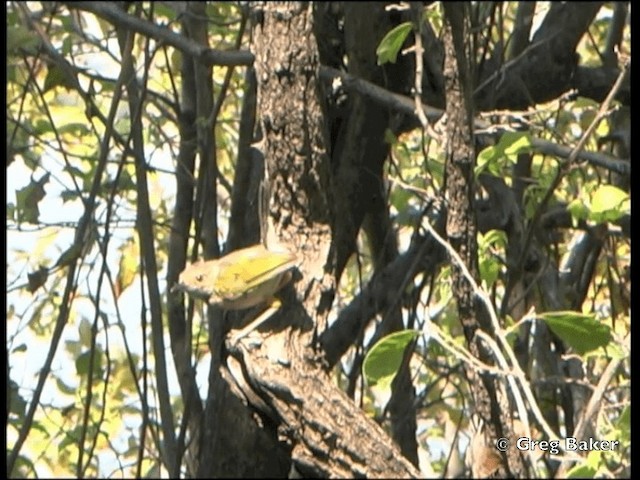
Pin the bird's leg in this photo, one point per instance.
(259, 320)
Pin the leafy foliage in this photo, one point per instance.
(74, 249)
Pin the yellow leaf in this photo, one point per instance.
(128, 268)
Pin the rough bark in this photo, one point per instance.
(461, 233)
(282, 373)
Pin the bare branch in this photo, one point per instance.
(209, 56)
(406, 105)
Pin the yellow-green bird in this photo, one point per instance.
(242, 279)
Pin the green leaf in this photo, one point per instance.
(389, 137)
(515, 143)
(578, 211)
(487, 160)
(69, 195)
(21, 39)
(623, 424)
(582, 332)
(495, 157)
(392, 42)
(129, 265)
(64, 388)
(83, 360)
(85, 332)
(609, 203)
(57, 76)
(82, 363)
(581, 471)
(75, 128)
(71, 437)
(488, 262)
(24, 464)
(492, 237)
(489, 270)
(383, 360)
(11, 212)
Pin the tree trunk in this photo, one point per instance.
(281, 371)
(492, 408)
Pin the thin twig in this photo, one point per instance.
(592, 406)
(603, 111)
(71, 285)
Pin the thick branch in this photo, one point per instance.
(331, 436)
(545, 69)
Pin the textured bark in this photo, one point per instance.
(281, 373)
(461, 233)
(329, 435)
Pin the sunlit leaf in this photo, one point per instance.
(392, 42)
(489, 270)
(383, 360)
(492, 237)
(494, 158)
(580, 331)
(515, 143)
(609, 203)
(582, 471)
(488, 261)
(128, 268)
(578, 210)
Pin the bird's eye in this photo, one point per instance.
(199, 277)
